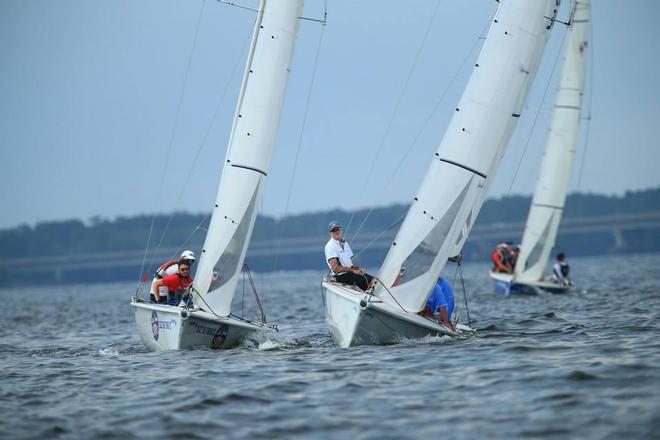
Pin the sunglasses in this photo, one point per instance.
(335, 229)
(184, 269)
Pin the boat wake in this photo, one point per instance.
(108, 352)
(280, 342)
(424, 340)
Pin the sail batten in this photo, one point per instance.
(552, 184)
(249, 153)
(454, 187)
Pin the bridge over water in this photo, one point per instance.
(578, 236)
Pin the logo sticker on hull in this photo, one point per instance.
(220, 336)
(154, 325)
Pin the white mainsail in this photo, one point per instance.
(552, 185)
(248, 154)
(453, 190)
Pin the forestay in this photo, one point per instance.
(453, 190)
(552, 185)
(248, 153)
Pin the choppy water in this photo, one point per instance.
(583, 365)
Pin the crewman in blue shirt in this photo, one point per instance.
(440, 304)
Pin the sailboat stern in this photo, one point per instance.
(159, 326)
(505, 285)
(355, 318)
(342, 311)
(163, 327)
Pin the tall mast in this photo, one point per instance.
(248, 154)
(552, 185)
(447, 203)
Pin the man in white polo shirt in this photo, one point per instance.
(338, 255)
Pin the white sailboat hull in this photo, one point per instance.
(163, 327)
(356, 318)
(506, 285)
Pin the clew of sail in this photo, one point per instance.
(454, 188)
(248, 154)
(552, 185)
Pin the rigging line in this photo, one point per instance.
(396, 108)
(538, 113)
(193, 290)
(299, 147)
(453, 280)
(388, 291)
(141, 280)
(229, 316)
(453, 283)
(262, 314)
(224, 2)
(243, 296)
(393, 224)
(435, 109)
(323, 20)
(590, 54)
(467, 309)
(422, 129)
(202, 144)
(190, 236)
(174, 128)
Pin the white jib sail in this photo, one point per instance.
(248, 154)
(453, 190)
(552, 185)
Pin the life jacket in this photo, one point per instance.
(498, 260)
(160, 272)
(184, 282)
(564, 269)
(175, 295)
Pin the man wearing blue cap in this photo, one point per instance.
(338, 255)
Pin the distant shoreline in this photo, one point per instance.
(72, 251)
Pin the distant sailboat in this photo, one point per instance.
(552, 185)
(210, 323)
(444, 210)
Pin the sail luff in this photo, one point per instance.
(554, 176)
(453, 189)
(246, 74)
(248, 155)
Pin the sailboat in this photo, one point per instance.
(209, 322)
(446, 206)
(552, 185)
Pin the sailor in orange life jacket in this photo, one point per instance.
(175, 284)
(500, 260)
(170, 268)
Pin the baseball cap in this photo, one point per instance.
(333, 225)
(188, 255)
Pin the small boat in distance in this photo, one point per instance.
(450, 197)
(209, 322)
(527, 276)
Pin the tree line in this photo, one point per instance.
(130, 233)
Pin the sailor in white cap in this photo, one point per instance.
(338, 256)
(172, 267)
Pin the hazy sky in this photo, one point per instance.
(90, 91)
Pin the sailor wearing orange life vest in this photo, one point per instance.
(500, 260)
(176, 285)
(171, 268)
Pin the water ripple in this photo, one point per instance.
(583, 365)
